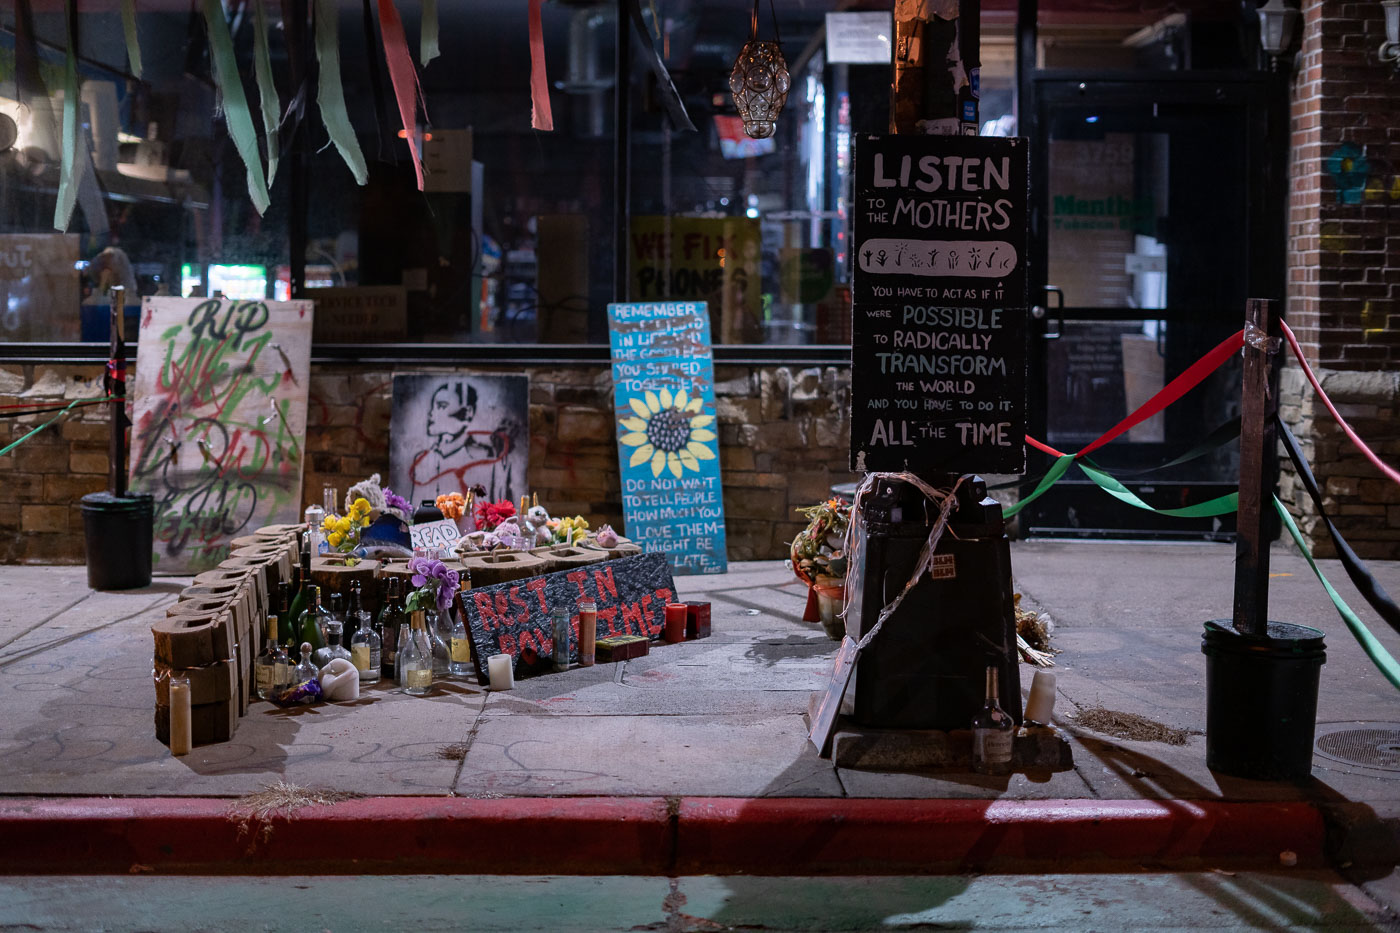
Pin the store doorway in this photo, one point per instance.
(1156, 212)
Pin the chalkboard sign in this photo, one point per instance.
(513, 618)
(938, 377)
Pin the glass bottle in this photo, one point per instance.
(438, 627)
(272, 668)
(306, 670)
(314, 516)
(333, 649)
(459, 663)
(335, 605)
(302, 599)
(311, 627)
(365, 643)
(417, 665)
(992, 732)
(561, 630)
(281, 608)
(328, 499)
(390, 616)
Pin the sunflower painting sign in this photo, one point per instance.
(667, 437)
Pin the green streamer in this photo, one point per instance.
(1379, 656)
(67, 187)
(69, 407)
(428, 36)
(330, 96)
(133, 47)
(267, 88)
(1049, 479)
(1222, 506)
(236, 113)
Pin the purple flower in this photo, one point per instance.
(434, 578)
(393, 500)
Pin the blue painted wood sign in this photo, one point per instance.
(667, 435)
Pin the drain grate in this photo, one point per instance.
(1374, 745)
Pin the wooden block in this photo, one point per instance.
(697, 621)
(209, 722)
(257, 571)
(213, 683)
(194, 639)
(622, 648)
(333, 577)
(502, 567)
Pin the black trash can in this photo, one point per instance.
(1261, 699)
(119, 534)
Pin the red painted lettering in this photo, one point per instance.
(485, 611)
(608, 617)
(508, 645)
(578, 578)
(632, 614)
(536, 586)
(606, 583)
(523, 615)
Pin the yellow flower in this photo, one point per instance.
(328, 524)
(343, 525)
(670, 431)
(360, 506)
(336, 539)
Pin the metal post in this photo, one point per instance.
(116, 387)
(622, 146)
(1258, 469)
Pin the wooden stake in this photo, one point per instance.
(1258, 469)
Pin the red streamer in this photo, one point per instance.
(541, 117)
(404, 77)
(1388, 470)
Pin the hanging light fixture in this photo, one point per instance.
(759, 81)
(1276, 21)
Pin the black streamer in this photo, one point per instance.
(664, 85)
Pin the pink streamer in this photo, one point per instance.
(404, 77)
(541, 117)
(1346, 428)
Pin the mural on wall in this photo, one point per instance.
(219, 421)
(449, 433)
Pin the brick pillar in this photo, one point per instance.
(1344, 272)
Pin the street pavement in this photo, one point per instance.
(677, 733)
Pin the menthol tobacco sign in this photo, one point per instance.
(939, 294)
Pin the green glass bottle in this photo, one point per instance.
(301, 601)
(312, 622)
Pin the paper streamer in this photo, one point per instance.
(330, 96)
(405, 79)
(428, 33)
(270, 106)
(236, 114)
(664, 85)
(67, 191)
(541, 117)
(133, 47)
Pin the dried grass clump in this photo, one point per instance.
(254, 812)
(1033, 636)
(1129, 726)
(454, 752)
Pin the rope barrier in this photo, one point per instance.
(1389, 471)
(65, 410)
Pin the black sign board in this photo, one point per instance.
(514, 618)
(938, 355)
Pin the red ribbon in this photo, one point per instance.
(541, 117)
(404, 77)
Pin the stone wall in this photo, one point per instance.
(784, 435)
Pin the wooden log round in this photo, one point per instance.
(502, 567)
(567, 557)
(335, 577)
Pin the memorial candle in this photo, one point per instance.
(587, 631)
(675, 622)
(500, 672)
(181, 737)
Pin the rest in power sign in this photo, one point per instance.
(939, 293)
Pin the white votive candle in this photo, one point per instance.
(180, 724)
(1042, 699)
(498, 668)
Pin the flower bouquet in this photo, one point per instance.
(343, 531)
(435, 584)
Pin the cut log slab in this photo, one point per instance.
(209, 722)
(194, 639)
(213, 683)
(334, 577)
(502, 567)
(567, 557)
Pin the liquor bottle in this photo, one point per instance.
(314, 516)
(438, 628)
(417, 664)
(302, 599)
(992, 733)
(335, 605)
(311, 626)
(272, 668)
(460, 663)
(388, 625)
(333, 649)
(306, 670)
(365, 643)
(281, 606)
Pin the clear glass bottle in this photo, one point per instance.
(561, 626)
(459, 662)
(311, 627)
(365, 643)
(333, 649)
(417, 665)
(328, 505)
(335, 605)
(438, 627)
(272, 669)
(306, 670)
(390, 617)
(314, 516)
(993, 732)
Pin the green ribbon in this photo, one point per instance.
(133, 48)
(1049, 479)
(1379, 656)
(1222, 506)
(428, 35)
(236, 114)
(67, 189)
(330, 96)
(66, 409)
(270, 106)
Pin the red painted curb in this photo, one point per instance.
(646, 835)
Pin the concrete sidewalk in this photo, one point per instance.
(672, 736)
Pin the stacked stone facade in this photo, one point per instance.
(784, 437)
(1344, 272)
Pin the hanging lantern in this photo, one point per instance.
(759, 81)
